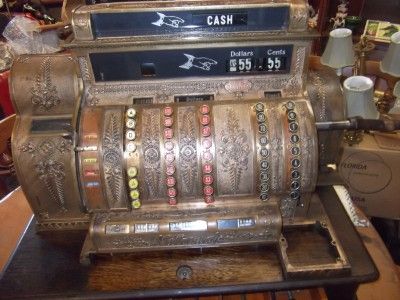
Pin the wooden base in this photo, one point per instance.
(47, 266)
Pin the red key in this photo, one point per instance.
(208, 190)
(168, 122)
(208, 179)
(170, 181)
(207, 168)
(170, 170)
(172, 201)
(206, 131)
(168, 111)
(205, 120)
(168, 133)
(171, 192)
(208, 199)
(204, 109)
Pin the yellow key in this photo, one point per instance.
(134, 194)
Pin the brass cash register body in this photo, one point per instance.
(178, 124)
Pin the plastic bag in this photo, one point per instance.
(24, 37)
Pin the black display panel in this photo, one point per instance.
(170, 22)
(203, 62)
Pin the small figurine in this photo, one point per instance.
(312, 17)
(341, 14)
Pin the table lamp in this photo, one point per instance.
(391, 65)
(359, 96)
(339, 52)
(391, 62)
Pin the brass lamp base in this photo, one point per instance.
(353, 137)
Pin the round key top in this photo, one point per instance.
(131, 113)
(136, 204)
(204, 109)
(170, 181)
(168, 111)
(132, 171)
(134, 194)
(131, 123)
(131, 147)
(171, 192)
(130, 135)
(168, 122)
(133, 183)
(208, 179)
(207, 168)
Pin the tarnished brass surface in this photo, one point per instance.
(204, 160)
(46, 89)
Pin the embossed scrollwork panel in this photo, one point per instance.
(234, 149)
(113, 170)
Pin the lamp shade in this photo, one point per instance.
(396, 90)
(359, 95)
(391, 62)
(339, 51)
(396, 106)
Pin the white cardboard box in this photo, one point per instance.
(371, 171)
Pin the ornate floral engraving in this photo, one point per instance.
(112, 158)
(288, 207)
(44, 92)
(233, 149)
(151, 151)
(52, 173)
(298, 17)
(50, 169)
(188, 165)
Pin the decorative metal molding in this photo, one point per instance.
(318, 95)
(188, 165)
(190, 239)
(91, 98)
(79, 224)
(23, 58)
(85, 70)
(276, 147)
(139, 216)
(290, 84)
(112, 158)
(234, 150)
(48, 166)
(308, 145)
(44, 92)
(151, 135)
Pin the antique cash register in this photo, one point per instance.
(181, 124)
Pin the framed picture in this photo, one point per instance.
(380, 31)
